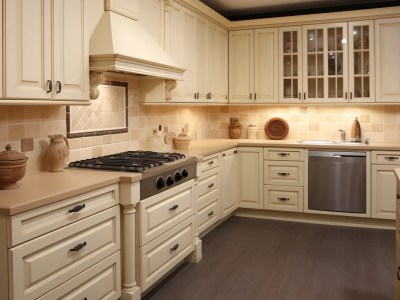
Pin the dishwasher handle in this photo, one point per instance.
(316, 153)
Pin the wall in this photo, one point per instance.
(378, 123)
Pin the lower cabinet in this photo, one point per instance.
(66, 250)
(229, 181)
(383, 185)
(398, 237)
(285, 198)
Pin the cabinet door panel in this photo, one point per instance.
(383, 192)
(241, 72)
(201, 57)
(266, 65)
(387, 33)
(27, 48)
(222, 66)
(71, 63)
(229, 182)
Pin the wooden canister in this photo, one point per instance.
(356, 131)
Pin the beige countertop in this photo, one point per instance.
(48, 187)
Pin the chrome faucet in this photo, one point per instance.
(342, 135)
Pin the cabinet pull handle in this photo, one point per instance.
(174, 247)
(58, 87)
(211, 185)
(195, 95)
(283, 174)
(255, 96)
(345, 95)
(351, 95)
(210, 213)
(210, 162)
(283, 199)
(304, 96)
(78, 247)
(398, 273)
(49, 86)
(282, 154)
(299, 96)
(251, 96)
(198, 95)
(398, 195)
(173, 207)
(77, 208)
(390, 158)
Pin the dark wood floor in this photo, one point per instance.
(253, 259)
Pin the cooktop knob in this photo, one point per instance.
(170, 180)
(160, 183)
(185, 173)
(178, 176)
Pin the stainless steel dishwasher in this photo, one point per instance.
(337, 181)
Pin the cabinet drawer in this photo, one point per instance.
(283, 154)
(33, 223)
(102, 281)
(207, 216)
(207, 182)
(209, 162)
(283, 173)
(46, 262)
(163, 253)
(385, 157)
(285, 198)
(163, 211)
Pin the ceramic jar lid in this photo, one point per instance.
(11, 155)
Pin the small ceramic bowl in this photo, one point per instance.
(181, 142)
(12, 168)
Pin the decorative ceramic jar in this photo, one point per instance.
(252, 131)
(12, 168)
(57, 152)
(234, 128)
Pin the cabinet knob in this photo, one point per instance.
(49, 86)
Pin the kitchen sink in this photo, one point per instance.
(329, 142)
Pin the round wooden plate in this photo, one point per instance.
(276, 128)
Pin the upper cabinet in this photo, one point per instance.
(253, 66)
(46, 51)
(387, 33)
(199, 46)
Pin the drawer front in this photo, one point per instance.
(283, 198)
(163, 211)
(102, 281)
(44, 263)
(163, 253)
(207, 182)
(385, 157)
(208, 163)
(207, 216)
(283, 173)
(283, 154)
(34, 223)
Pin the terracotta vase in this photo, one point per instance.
(57, 152)
(234, 128)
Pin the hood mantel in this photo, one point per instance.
(120, 44)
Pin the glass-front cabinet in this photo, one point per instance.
(290, 64)
(361, 61)
(325, 74)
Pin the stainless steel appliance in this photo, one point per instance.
(337, 181)
(161, 170)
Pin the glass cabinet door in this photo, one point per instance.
(325, 61)
(290, 64)
(361, 66)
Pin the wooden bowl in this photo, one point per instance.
(12, 168)
(276, 128)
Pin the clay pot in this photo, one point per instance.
(234, 128)
(57, 152)
(12, 168)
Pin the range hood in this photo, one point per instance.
(120, 44)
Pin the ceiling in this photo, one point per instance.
(253, 9)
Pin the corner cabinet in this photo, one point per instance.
(253, 66)
(387, 32)
(229, 181)
(46, 51)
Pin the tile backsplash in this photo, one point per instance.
(379, 123)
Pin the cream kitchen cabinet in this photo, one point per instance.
(283, 179)
(46, 51)
(253, 66)
(229, 181)
(200, 46)
(397, 284)
(387, 34)
(383, 186)
(250, 173)
(65, 249)
(208, 192)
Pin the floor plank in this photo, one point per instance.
(247, 258)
